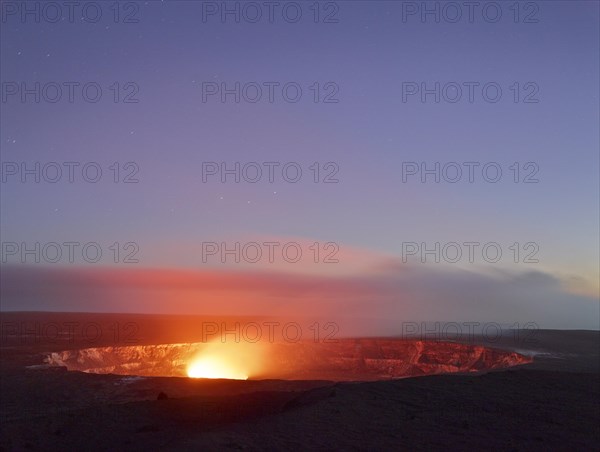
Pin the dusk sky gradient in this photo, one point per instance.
(369, 133)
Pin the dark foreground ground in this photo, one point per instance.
(550, 404)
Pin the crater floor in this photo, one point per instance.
(344, 360)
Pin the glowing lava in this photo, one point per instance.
(214, 367)
(231, 360)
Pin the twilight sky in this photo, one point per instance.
(367, 61)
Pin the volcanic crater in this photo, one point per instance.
(363, 359)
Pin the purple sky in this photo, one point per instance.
(365, 57)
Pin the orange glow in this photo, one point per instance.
(215, 367)
(231, 360)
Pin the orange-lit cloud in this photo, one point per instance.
(390, 292)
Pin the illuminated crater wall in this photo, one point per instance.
(346, 360)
